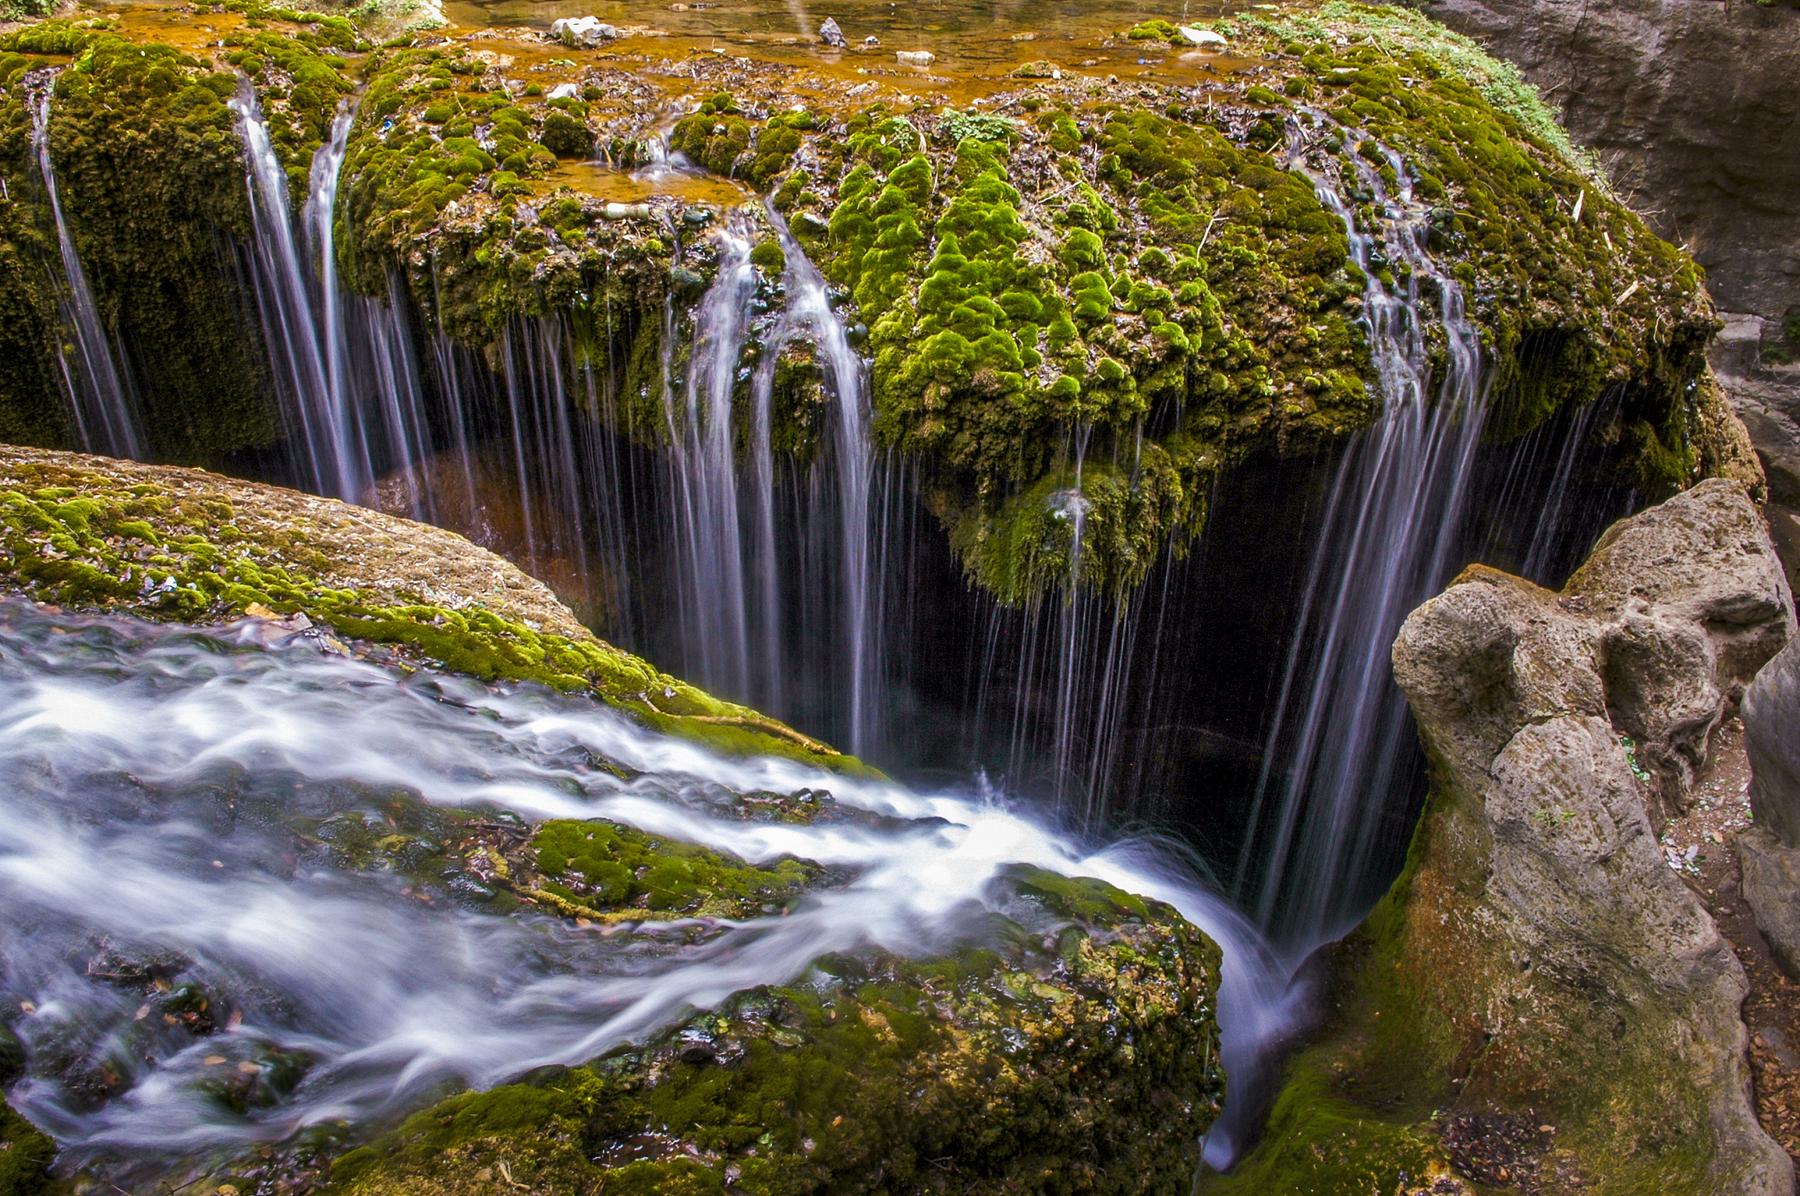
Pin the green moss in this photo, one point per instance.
(599, 866)
(25, 1156)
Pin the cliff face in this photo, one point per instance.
(1692, 106)
(1541, 1001)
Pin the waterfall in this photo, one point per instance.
(747, 572)
(809, 309)
(1335, 784)
(343, 364)
(704, 473)
(99, 391)
(178, 794)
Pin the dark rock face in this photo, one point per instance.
(1692, 106)
(1772, 735)
(1770, 851)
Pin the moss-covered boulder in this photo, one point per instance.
(1062, 1034)
(170, 543)
(1075, 292)
(1078, 1063)
(1541, 1003)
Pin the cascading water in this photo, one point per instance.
(810, 311)
(165, 785)
(343, 364)
(704, 474)
(99, 391)
(740, 560)
(1335, 783)
(299, 325)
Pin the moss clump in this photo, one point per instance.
(1091, 1066)
(566, 136)
(25, 1156)
(599, 866)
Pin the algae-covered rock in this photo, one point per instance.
(174, 543)
(1086, 1061)
(1073, 290)
(1540, 1000)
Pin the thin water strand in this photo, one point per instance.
(101, 399)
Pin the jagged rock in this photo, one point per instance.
(1539, 963)
(1772, 737)
(831, 35)
(582, 33)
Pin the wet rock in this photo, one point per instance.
(563, 91)
(1772, 738)
(915, 57)
(582, 33)
(1206, 39)
(831, 35)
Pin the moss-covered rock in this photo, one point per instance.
(1073, 286)
(1085, 1062)
(182, 544)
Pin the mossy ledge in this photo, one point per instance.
(1055, 272)
(170, 543)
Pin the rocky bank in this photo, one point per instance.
(1540, 1003)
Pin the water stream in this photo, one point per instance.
(95, 381)
(163, 779)
(1336, 781)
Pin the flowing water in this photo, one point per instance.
(158, 778)
(1337, 781)
(344, 365)
(95, 382)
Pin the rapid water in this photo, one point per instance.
(101, 399)
(161, 780)
(1337, 779)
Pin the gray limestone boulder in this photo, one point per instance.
(1772, 737)
(1564, 728)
